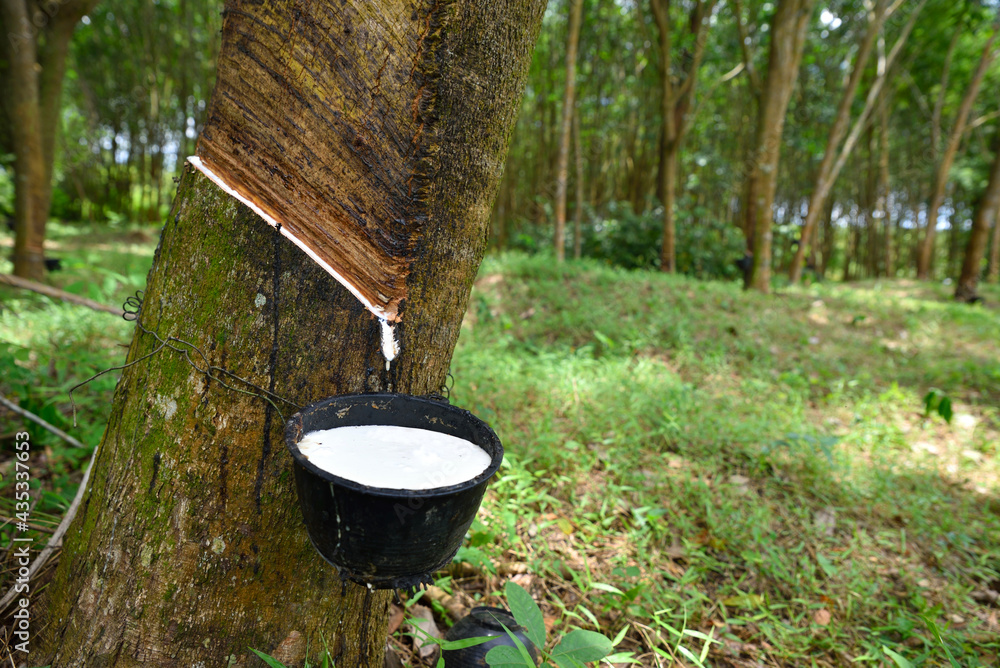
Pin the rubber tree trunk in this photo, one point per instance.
(993, 268)
(566, 127)
(788, 35)
(884, 192)
(189, 548)
(36, 41)
(982, 220)
(578, 210)
(676, 94)
(926, 253)
(824, 180)
(26, 138)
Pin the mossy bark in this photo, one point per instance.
(189, 548)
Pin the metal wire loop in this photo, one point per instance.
(132, 306)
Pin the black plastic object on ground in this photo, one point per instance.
(483, 622)
(387, 538)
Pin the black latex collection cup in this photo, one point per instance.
(387, 538)
(483, 622)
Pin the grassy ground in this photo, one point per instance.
(757, 466)
(684, 460)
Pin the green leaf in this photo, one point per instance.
(622, 657)
(930, 401)
(583, 646)
(274, 663)
(522, 650)
(620, 636)
(526, 613)
(826, 565)
(463, 643)
(744, 601)
(608, 588)
(899, 659)
(689, 655)
(505, 656)
(568, 662)
(944, 409)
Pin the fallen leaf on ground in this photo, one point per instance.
(392, 659)
(825, 520)
(822, 616)
(422, 618)
(396, 616)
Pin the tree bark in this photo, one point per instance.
(189, 547)
(37, 41)
(926, 254)
(837, 131)
(569, 102)
(828, 173)
(578, 211)
(26, 137)
(675, 101)
(942, 94)
(985, 216)
(788, 34)
(882, 202)
(993, 270)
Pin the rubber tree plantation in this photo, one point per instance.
(376, 132)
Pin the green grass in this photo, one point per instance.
(684, 459)
(47, 347)
(746, 463)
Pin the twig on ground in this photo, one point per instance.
(56, 541)
(35, 527)
(42, 423)
(56, 293)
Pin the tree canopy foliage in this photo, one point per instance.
(140, 74)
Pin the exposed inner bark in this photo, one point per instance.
(320, 117)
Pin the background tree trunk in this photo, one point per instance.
(37, 40)
(675, 101)
(578, 210)
(566, 128)
(26, 138)
(926, 254)
(189, 546)
(824, 182)
(985, 216)
(788, 33)
(884, 191)
(993, 270)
